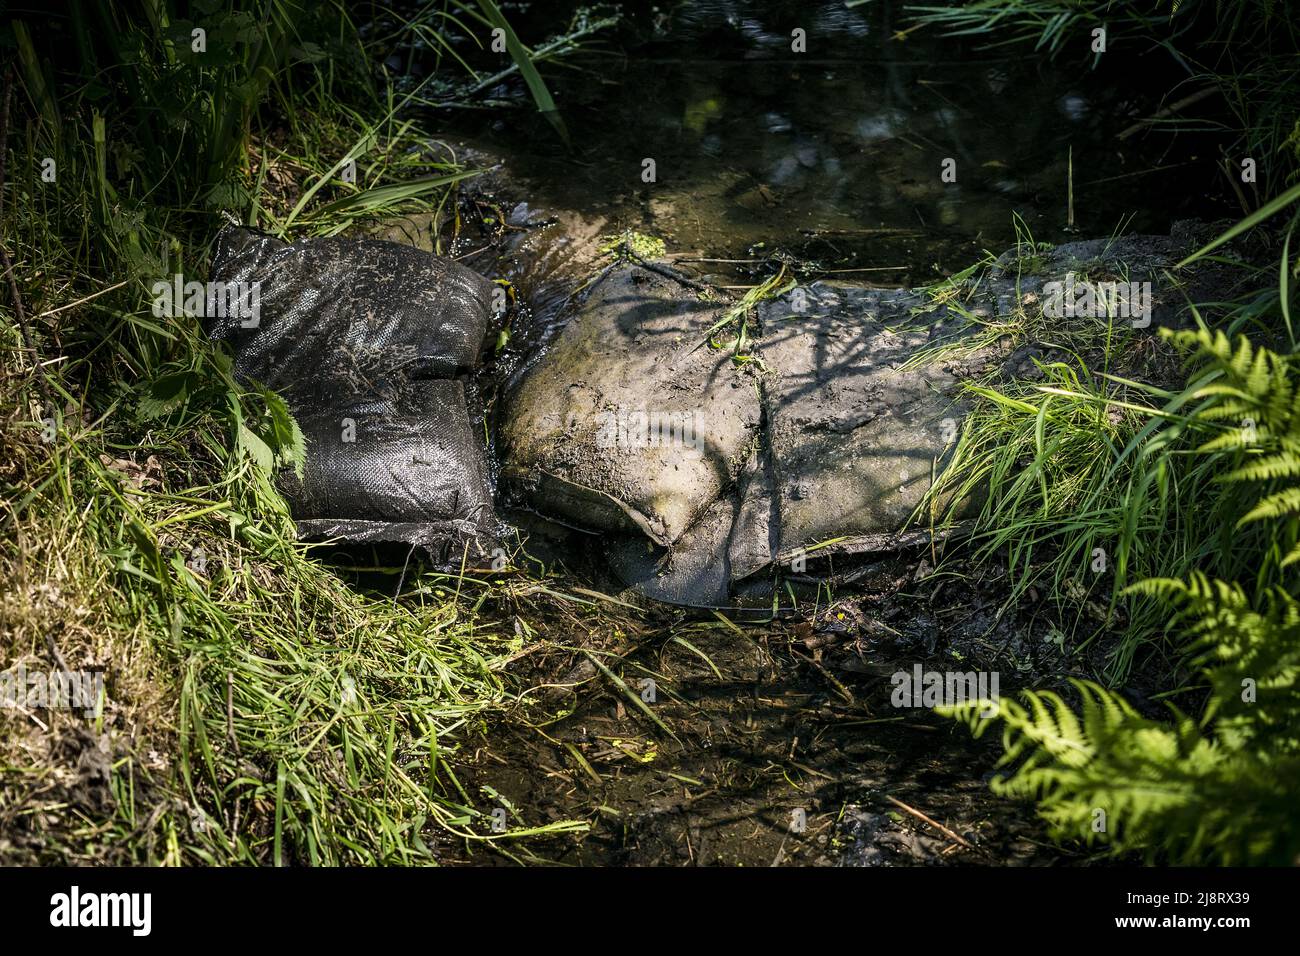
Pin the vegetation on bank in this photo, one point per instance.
(259, 710)
(1177, 509)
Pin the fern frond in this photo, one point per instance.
(1279, 504)
(1267, 468)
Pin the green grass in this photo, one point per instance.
(1162, 522)
(259, 710)
(1089, 481)
(1087, 459)
(1026, 323)
(1216, 781)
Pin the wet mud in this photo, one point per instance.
(699, 741)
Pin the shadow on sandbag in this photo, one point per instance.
(365, 340)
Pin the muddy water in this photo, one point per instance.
(832, 158)
(708, 741)
(774, 745)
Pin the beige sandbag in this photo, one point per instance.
(630, 422)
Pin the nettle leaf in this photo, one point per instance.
(253, 446)
(222, 361)
(286, 437)
(167, 393)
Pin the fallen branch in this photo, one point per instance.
(934, 823)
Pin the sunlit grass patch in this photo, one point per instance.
(258, 708)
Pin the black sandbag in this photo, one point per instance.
(354, 313)
(399, 459)
(364, 340)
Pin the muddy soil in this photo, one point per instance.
(762, 741)
(761, 744)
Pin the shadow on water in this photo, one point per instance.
(833, 157)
